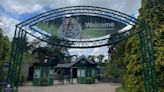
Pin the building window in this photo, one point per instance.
(81, 73)
(93, 73)
(51, 73)
(36, 73)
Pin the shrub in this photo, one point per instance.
(44, 82)
(89, 80)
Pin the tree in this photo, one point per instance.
(100, 59)
(41, 53)
(55, 54)
(92, 57)
(151, 12)
(115, 68)
(4, 52)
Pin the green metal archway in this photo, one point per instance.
(145, 35)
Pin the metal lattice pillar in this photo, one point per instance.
(147, 55)
(152, 65)
(144, 63)
(13, 57)
(21, 48)
(18, 45)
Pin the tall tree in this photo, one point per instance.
(116, 67)
(100, 59)
(55, 54)
(4, 52)
(151, 12)
(92, 57)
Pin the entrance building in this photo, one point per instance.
(83, 69)
(43, 74)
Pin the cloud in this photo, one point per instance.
(125, 6)
(20, 6)
(29, 6)
(8, 26)
(1, 24)
(91, 51)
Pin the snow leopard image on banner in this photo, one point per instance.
(70, 28)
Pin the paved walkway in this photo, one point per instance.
(99, 87)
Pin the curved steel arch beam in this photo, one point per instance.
(79, 10)
(73, 8)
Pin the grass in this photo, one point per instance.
(120, 89)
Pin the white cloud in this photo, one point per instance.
(125, 6)
(1, 24)
(17, 7)
(28, 6)
(91, 51)
(20, 6)
(8, 26)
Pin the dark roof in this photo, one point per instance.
(62, 66)
(73, 63)
(42, 64)
(83, 57)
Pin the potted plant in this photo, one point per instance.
(89, 80)
(44, 82)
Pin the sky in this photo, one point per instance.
(13, 12)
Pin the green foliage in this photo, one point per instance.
(4, 52)
(151, 12)
(115, 68)
(29, 58)
(120, 89)
(159, 55)
(92, 57)
(52, 29)
(133, 79)
(113, 71)
(89, 80)
(134, 83)
(100, 59)
(4, 47)
(44, 82)
(54, 54)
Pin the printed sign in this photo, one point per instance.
(80, 27)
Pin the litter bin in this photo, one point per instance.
(8, 88)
